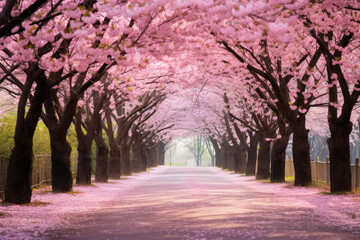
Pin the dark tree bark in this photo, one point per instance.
(114, 170)
(152, 157)
(143, 159)
(240, 156)
(340, 126)
(90, 122)
(62, 180)
(263, 167)
(125, 158)
(83, 175)
(156, 155)
(8, 23)
(231, 159)
(275, 85)
(60, 147)
(58, 121)
(136, 158)
(225, 156)
(301, 153)
(102, 153)
(149, 158)
(339, 149)
(236, 152)
(278, 159)
(222, 156)
(161, 153)
(252, 154)
(20, 166)
(18, 185)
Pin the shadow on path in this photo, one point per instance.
(198, 203)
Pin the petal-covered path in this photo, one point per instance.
(208, 203)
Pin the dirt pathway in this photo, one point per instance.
(200, 203)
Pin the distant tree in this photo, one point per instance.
(211, 150)
(197, 147)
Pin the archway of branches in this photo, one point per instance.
(131, 76)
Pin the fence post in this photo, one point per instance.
(316, 169)
(327, 170)
(356, 183)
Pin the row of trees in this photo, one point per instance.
(278, 64)
(241, 73)
(67, 64)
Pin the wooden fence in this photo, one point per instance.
(41, 170)
(4, 163)
(320, 171)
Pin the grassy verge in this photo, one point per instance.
(36, 203)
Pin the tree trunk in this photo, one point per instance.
(243, 157)
(231, 159)
(60, 159)
(114, 163)
(136, 158)
(219, 157)
(240, 159)
(18, 183)
(237, 160)
(339, 149)
(161, 153)
(217, 153)
(278, 159)
(143, 159)
(263, 167)
(102, 153)
(150, 157)
(101, 164)
(83, 175)
(125, 160)
(301, 153)
(224, 157)
(156, 156)
(252, 155)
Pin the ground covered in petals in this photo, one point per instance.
(184, 203)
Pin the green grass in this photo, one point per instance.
(336, 193)
(86, 185)
(43, 185)
(287, 179)
(290, 179)
(356, 191)
(57, 192)
(265, 180)
(111, 178)
(318, 184)
(75, 192)
(178, 164)
(315, 184)
(36, 203)
(352, 215)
